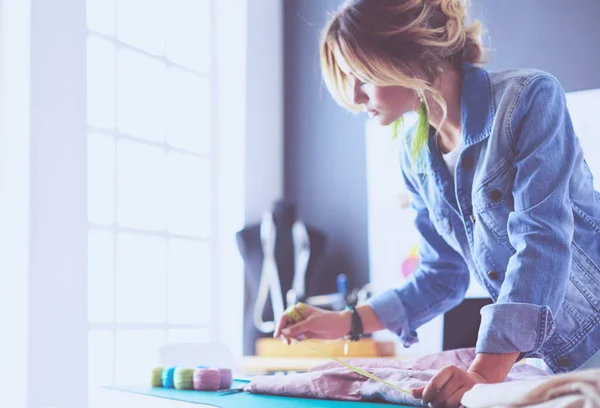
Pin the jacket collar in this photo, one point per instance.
(477, 113)
(477, 110)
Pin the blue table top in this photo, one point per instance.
(244, 399)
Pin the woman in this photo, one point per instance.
(500, 187)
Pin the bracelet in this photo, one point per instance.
(356, 328)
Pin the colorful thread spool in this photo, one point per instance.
(226, 378)
(184, 378)
(168, 377)
(157, 377)
(207, 379)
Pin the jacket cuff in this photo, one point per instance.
(512, 327)
(392, 314)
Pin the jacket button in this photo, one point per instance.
(493, 275)
(564, 361)
(496, 195)
(467, 163)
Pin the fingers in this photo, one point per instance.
(442, 398)
(296, 330)
(281, 324)
(454, 400)
(446, 388)
(417, 392)
(302, 311)
(436, 385)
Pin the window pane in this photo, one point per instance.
(137, 353)
(142, 24)
(188, 33)
(100, 83)
(189, 195)
(140, 186)
(188, 111)
(101, 16)
(189, 276)
(189, 336)
(101, 356)
(100, 178)
(141, 279)
(141, 96)
(100, 269)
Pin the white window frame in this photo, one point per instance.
(43, 219)
(15, 38)
(213, 157)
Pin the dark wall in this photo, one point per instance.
(558, 36)
(324, 145)
(324, 171)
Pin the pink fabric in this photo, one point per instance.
(333, 381)
(461, 358)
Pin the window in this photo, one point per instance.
(15, 120)
(151, 188)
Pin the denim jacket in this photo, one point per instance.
(521, 214)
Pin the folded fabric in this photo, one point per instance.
(460, 357)
(579, 389)
(333, 381)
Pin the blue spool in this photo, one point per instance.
(168, 377)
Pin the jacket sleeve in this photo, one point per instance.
(438, 285)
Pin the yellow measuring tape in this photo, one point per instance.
(294, 315)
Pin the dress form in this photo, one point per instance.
(250, 245)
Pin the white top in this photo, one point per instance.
(451, 158)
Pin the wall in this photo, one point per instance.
(325, 168)
(264, 107)
(58, 221)
(553, 35)
(324, 151)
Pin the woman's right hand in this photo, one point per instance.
(316, 323)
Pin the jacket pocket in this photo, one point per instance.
(493, 202)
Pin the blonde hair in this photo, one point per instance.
(382, 41)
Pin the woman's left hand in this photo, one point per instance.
(447, 387)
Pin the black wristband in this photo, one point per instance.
(356, 328)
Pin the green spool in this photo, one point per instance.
(184, 378)
(157, 377)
